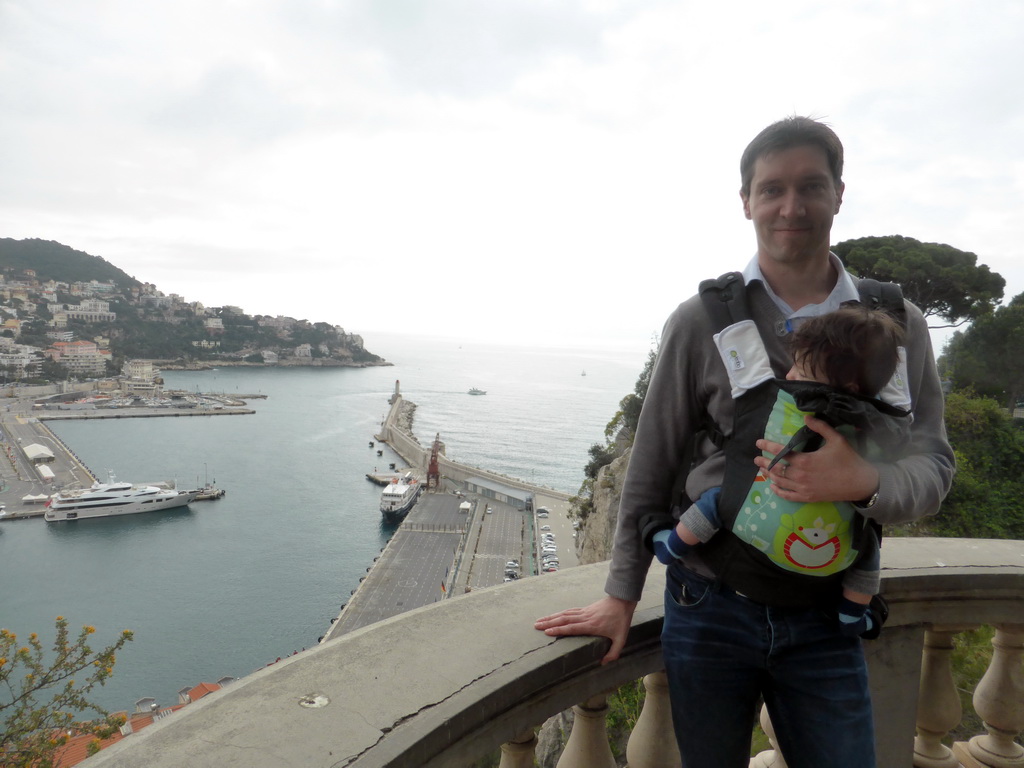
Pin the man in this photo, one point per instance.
(723, 650)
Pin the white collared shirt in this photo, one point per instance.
(843, 291)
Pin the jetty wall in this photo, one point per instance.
(418, 457)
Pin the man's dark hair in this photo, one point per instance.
(854, 348)
(788, 133)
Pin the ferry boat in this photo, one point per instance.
(398, 496)
(112, 499)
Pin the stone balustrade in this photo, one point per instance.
(446, 684)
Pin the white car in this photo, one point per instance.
(545, 527)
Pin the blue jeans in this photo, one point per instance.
(723, 652)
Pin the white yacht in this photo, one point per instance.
(112, 499)
(399, 496)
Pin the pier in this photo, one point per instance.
(441, 550)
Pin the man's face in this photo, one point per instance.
(792, 202)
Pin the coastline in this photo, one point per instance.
(320, 362)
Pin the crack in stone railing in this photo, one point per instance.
(386, 730)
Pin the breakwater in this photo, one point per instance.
(400, 438)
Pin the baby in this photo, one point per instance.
(854, 350)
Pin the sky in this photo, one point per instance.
(524, 171)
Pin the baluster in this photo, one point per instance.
(770, 758)
(938, 705)
(519, 752)
(588, 743)
(652, 743)
(999, 701)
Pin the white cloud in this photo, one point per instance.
(523, 169)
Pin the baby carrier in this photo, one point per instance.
(772, 550)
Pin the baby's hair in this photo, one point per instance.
(854, 348)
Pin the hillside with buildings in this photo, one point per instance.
(66, 314)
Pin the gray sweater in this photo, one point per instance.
(689, 386)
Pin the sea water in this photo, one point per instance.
(225, 587)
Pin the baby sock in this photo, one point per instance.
(854, 618)
(668, 547)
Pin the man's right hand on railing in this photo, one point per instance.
(609, 617)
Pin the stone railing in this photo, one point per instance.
(449, 683)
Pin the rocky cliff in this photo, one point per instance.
(594, 543)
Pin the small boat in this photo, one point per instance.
(209, 492)
(399, 496)
(583, 374)
(475, 391)
(113, 499)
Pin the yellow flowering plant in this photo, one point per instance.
(40, 700)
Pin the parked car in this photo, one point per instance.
(545, 527)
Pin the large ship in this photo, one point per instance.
(112, 499)
(398, 496)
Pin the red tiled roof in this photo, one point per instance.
(77, 748)
(201, 690)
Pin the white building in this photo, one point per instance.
(141, 377)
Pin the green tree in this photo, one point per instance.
(39, 696)
(986, 357)
(987, 496)
(618, 434)
(942, 281)
(626, 418)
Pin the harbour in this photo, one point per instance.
(442, 547)
(223, 588)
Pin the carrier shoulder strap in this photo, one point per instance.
(725, 300)
(875, 294)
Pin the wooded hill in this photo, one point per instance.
(150, 325)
